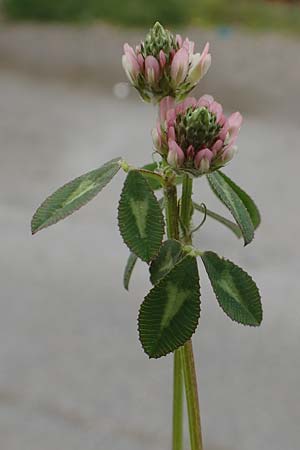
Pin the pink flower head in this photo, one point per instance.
(164, 65)
(195, 135)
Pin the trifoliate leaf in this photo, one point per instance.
(235, 290)
(131, 261)
(73, 196)
(169, 254)
(170, 312)
(140, 217)
(246, 199)
(233, 202)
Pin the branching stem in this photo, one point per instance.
(183, 357)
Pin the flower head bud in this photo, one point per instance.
(195, 136)
(164, 65)
(158, 39)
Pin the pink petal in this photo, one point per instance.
(224, 131)
(205, 52)
(218, 145)
(228, 154)
(235, 120)
(171, 134)
(141, 61)
(189, 46)
(162, 59)
(156, 138)
(188, 102)
(190, 153)
(216, 109)
(179, 40)
(205, 101)
(128, 49)
(152, 69)
(175, 155)
(180, 66)
(202, 160)
(166, 104)
(171, 117)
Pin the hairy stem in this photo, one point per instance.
(190, 378)
(170, 194)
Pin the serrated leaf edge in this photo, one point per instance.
(166, 353)
(217, 297)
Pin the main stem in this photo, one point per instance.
(183, 357)
(173, 233)
(190, 377)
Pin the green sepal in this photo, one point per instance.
(140, 217)
(169, 254)
(233, 202)
(154, 181)
(228, 223)
(170, 313)
(73, 196)
(235, 290)
(131, 261)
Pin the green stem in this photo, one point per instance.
(172, 217)
(191, 391)
(186, 207)
(190, 378)
(173, 233)
(177, 437)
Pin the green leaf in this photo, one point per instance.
(228, 223)
(131, 261)
(235, 290)
(140, 217)
(246, 199)
(233, 202)
(170, 312)
(169, 254)
(73, 196)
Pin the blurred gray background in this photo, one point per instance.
(73, 375)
